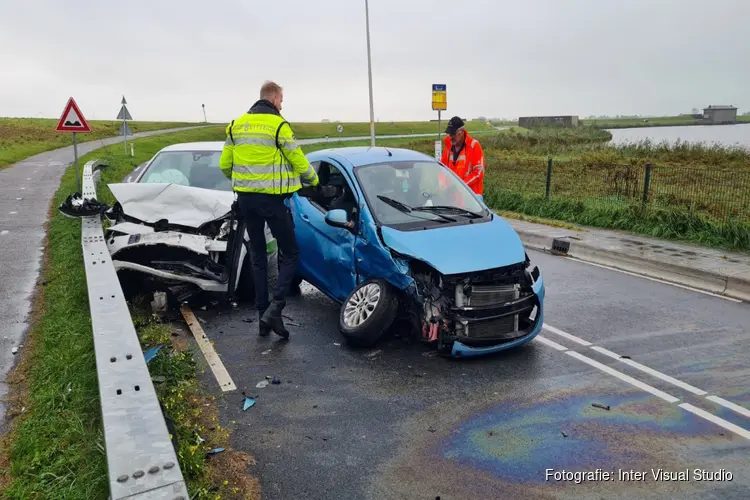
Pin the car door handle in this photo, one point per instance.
(305, 218)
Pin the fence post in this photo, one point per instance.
(549, 176)
(646, 182)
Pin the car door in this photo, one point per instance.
(326, 252)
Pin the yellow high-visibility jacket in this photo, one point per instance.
(261, 154)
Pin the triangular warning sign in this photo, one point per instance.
(125, 130)
(72, 119)
(124, 114)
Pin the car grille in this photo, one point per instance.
(483, 296)
(501, 328)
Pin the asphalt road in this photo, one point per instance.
(396, 423)
(26, 190)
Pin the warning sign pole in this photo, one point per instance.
(72, 120)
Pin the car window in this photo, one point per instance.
(189, 168)
(415, 184)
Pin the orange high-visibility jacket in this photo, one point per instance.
(469, 164)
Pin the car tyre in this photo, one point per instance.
(368, 312)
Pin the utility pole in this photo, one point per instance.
(205, 120)
(369, 76)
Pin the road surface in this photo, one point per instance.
(394, 422)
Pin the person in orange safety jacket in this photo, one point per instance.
(463, 155)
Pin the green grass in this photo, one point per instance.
(56, 447)
(21, 138)
(314, 130)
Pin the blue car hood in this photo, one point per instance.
(460, 249)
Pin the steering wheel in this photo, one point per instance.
(170, 176)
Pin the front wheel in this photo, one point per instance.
(368, 312)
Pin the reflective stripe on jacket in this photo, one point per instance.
(469, 165)
(255, 163)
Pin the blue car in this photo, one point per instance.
(394, 236)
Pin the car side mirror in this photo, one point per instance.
(337, 218)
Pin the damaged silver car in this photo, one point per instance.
(174, 228)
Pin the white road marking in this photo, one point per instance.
(648, 388)
(4, 232)
(626, 378)
(728, 404)
(217, 367)
(550, 343)
(566, 335)
(13, 213)
(657, 280)
(717, 420)
(650, 371)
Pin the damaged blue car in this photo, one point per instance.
(393, 235)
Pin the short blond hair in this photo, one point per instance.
(270, 89)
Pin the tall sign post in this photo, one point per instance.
(124, 115)
(205, 120)
(439, 103)
(369, 76)
(72, 120)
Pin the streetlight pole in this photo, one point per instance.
(369, 76)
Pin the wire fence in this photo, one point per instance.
(714, 193)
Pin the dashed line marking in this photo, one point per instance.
(717, 420)
(646, 387)
(626, 378)
(657, 280)
(728, 404)
(566, 335)
(551, 343)
(650, 371)
(4, 232)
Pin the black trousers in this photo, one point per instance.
(258, 209)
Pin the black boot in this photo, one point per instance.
(272, 319)
(263, 329)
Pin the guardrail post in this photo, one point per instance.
(549, 177)
(646, 182)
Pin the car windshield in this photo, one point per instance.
(405, 192)
(188, 168)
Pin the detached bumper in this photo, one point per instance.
(461, 350)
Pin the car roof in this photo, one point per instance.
(196, 146)
(358, 156)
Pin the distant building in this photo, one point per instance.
(548, 121)
(720, 114)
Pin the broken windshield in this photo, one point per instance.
(187, 168)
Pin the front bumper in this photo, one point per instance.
(461, 350)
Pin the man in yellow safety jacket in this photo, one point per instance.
(266, 167)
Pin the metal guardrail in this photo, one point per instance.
(141, 460)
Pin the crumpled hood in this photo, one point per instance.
(460, 249)
(182, 205)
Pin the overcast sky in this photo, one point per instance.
(498, 58)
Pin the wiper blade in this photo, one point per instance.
(403, 207)
(436, 208)
(396, 204)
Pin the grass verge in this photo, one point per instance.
(55, 447)
(24, 137)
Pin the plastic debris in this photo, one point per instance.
(152, 352)
(373, 354)
(75, 206)
(266, 352)
(603, 407)
(336, 344)
(262, 384)
(14, 350)
(276, 381)
(214, 451)
(248, 403)
(563, 434)
(625, 357)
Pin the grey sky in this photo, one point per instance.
(498, 58)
